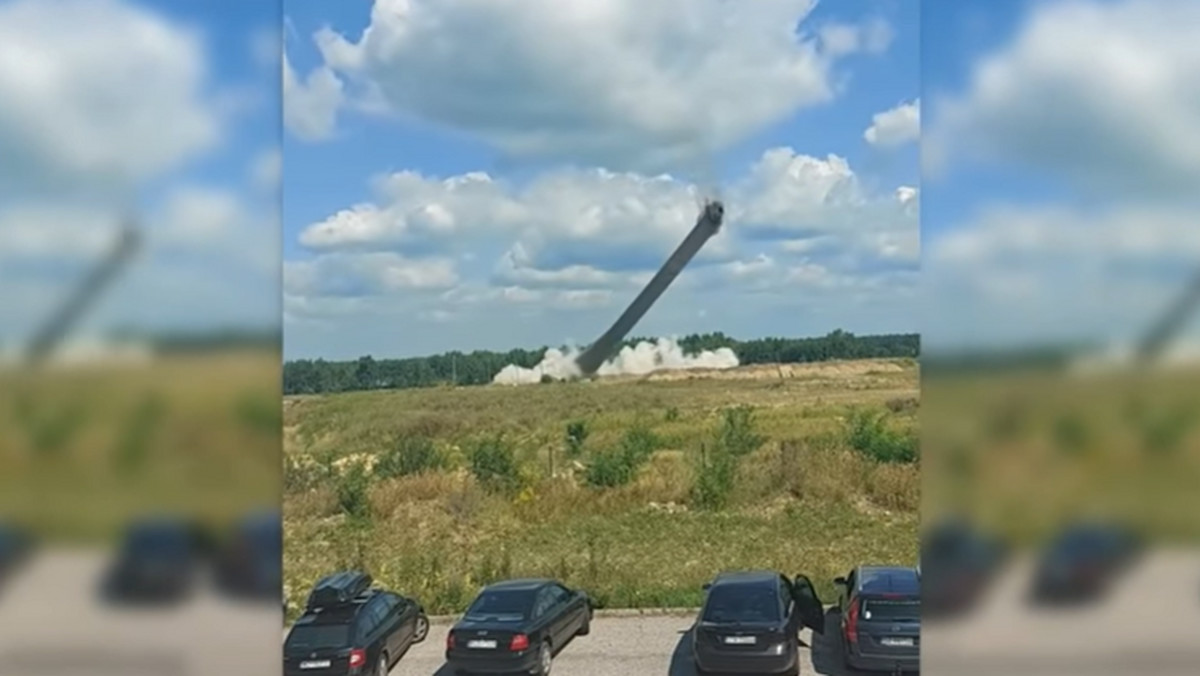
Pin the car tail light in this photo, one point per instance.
(519, 642)
(450, 641)
(852, 623)
(358, 658)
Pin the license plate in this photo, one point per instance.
(897, 642)
(315, 664)
(740, 640)
(481, 644)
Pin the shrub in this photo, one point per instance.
(352, 487)
(577, 433)
(609, 470)
(672, 414)
(737, 433)
(716, 469)
(410, 455)
(868, 433)
(494, 464)
(620, 466)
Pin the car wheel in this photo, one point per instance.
(545, 660)
(422, 629)
(382, 669)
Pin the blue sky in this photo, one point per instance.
(1058, 186)
(191, 142)
(791, 262)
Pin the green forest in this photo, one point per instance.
(309, 376)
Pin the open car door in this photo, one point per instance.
(808, 604)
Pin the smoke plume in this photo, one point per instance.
(645, 357)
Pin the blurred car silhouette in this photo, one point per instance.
(157, 561)
(1082, 561)
(16, 545)
(880, 609)
(350, 628)
(957, 565)
(249, 564)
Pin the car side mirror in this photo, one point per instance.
(840, 581)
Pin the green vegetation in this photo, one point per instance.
(84, 450)
(638, 491)
(1027, 451)
(306, 376)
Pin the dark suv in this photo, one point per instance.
(751, 622)
(881, 618)
(349, 628)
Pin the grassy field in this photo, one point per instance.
(85, 449)
(1025, 452)
(638, 490)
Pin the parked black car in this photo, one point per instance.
(750, 623)
(880, 608)
(1082, 561)
(958, 565)
(16, 545)
(158, 561)
(250, 563)
(350, 628)
(517, 626)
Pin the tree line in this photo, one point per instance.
(317, 376)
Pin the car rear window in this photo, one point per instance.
(319, 636)
(742, 603)
(501, 605)
(891, 609)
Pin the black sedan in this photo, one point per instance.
(250, 564)
(1082, 562)
(158, 561)
(751, 622)
(517, 626)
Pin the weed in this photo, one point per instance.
(868, 432)
(494, 464)
(352, 488)
(577, 433)
(410, 455)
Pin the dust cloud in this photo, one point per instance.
(641, 359)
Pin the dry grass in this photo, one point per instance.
(1026, 452)
(803, 502)
(82, 450)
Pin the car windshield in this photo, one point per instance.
(739, 603)
(318, 636)
(501, 605)
(895, 610)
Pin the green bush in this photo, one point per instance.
(868, 432)
(609, 470)
(737, 433)
(620, 466)
(494, 464)
(672, 414)
(716, 470)
(352, 492)
(410, 455)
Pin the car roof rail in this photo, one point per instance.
(338, 589)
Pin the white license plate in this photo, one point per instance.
(897, 642)
(481, 644)
(741, 640)
(315, 664)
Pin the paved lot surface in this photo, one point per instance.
(54, 625)
(617, 646)
(1149, 625)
